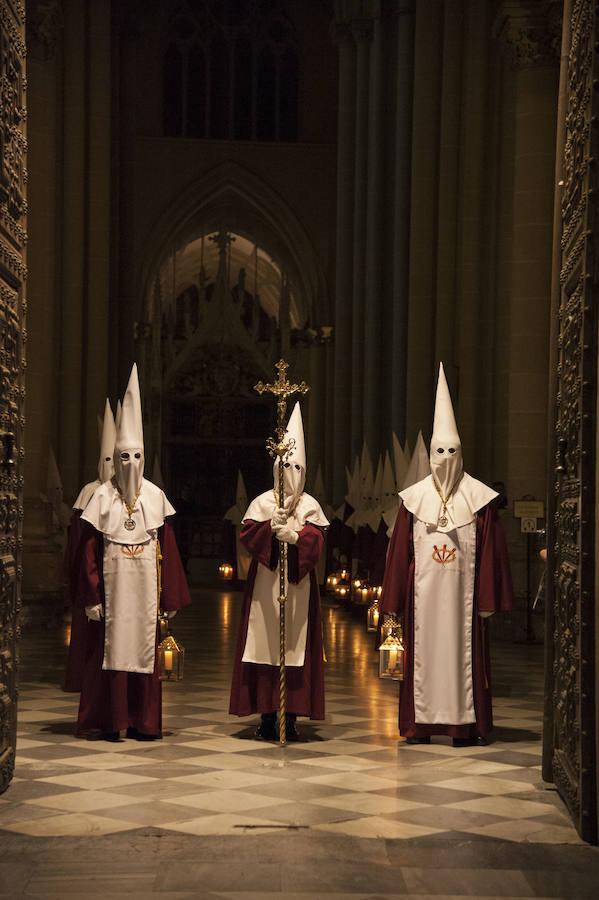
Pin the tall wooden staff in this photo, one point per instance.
(280, 448)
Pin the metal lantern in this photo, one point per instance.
(391, 656)
(225, 571)
(372, 617)
(171, 657)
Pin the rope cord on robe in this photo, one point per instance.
(159, 558)
(281, 448)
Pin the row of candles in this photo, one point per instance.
(359, 592)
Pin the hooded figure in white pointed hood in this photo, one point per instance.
(299, 522)
(234, 516)
(107, 434)
(418, 469)
(78, 635)
(447, 570)
(131, 569)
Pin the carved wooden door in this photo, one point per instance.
(13, 177)
(570, 740)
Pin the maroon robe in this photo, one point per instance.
(493, 592)
(112, 701)
(78, 638)
(255, 687)
(379, 554)
(339, 544)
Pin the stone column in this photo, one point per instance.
(362, 30)
(342, 364)
(371, 369)
(401, 215)
(533, 52)
(529, 35)
(428, 69)
(74, 244)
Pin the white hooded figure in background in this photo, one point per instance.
(78, 635)
(234, 515)
(419, 467)
(107, 433)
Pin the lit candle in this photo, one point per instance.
(333, 581)
(364, 593)
(168, 660)
(375, 616)
(392, 660)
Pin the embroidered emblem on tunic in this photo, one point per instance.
(444, 555)
(132, 551)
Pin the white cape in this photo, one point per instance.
(107, 513)
(423, 501)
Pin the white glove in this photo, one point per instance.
(279, 518)
(171, 613)
(286, 533)
(94, 613)
(485, 615)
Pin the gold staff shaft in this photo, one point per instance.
(282, 623)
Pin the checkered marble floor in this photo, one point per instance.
(349, 776)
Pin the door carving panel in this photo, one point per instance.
(13, 274)
(569, 752)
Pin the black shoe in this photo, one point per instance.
(267, 730)
(112, 736)
(136, 735)
(291, 732)
(470, 742)
(417, 740)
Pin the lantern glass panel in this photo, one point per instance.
(391, 658)
(372, 617)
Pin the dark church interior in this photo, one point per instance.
(298, 449)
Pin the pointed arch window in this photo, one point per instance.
(230, 71)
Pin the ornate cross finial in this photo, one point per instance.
(282, 389)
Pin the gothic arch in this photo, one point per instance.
(232, 197)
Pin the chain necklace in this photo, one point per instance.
(129, 522)
(443, 520)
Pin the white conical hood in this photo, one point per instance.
(241, 494)
(446, 448)
(390, 500)
(319, 485)
(107, 442)
(295, 462)
(235, 513)
(119, 413)
(401, 463)
(129, 447)
(389, 492)
(419, 466)
(53, 481)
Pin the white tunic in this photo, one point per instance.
(444, 572)
(131, 593)
(262, 642)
